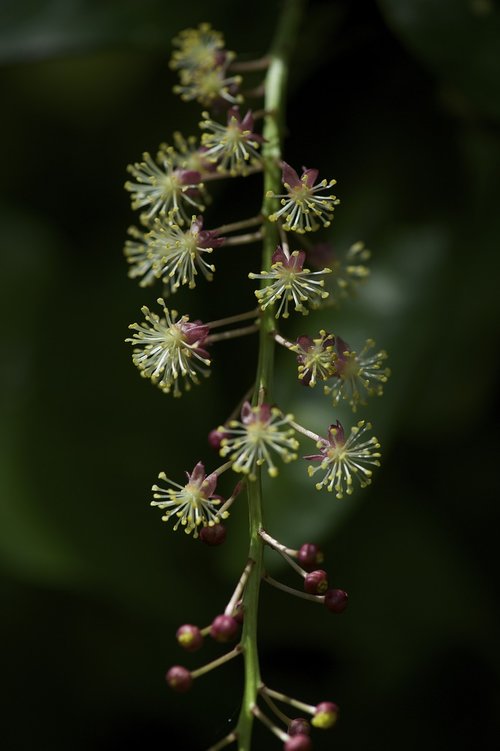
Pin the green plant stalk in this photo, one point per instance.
(274, 104)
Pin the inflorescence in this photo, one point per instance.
(172, 248)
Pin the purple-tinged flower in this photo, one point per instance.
(186, 154)
(168, 350)
(232, 147)
(357, 374)
(290, 283)
(303, 205)
(315, 357)
(178, 255)
(249, 442)
(140, 257)
(344, 458)
(348, 272)
(163, 189)
(195, 503)
(198, 49)
(210, 87)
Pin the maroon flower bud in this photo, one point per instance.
(239, 613)
(179, 679)
(336, 600)
(326, 715)
(316, 582)
(299, 726)
(310, 556)
(213, 535)
(224, 628)
(298, 743)
(215, 437)
(189, 637)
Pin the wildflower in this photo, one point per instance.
(357, 375)
(347, 273)
(198, 49)
(290, 282)
(233, 146)
(194, 504)
(344, 458)
(301, 206)
(162, 188)
(249, 442)
(316, 358)
(140, 257)
(186, 154)
(210, 87)
(168, 349)
(179, 255)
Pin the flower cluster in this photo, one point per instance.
(202, 64)
(172, 245)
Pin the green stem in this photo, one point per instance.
(274, 105)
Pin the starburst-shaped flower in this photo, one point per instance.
(250, 442)
(140, 257)
(290, 283)
(210, 87)
(233, 147)
(170, 351)
(348, 272)
(198, 49)
(303, 206)
(343, 458)
(161, 188)
(186, 154)
(357, 374)
(179, 255)
(315, 357)
(195, 503)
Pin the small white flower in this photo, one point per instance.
(302, 204)
(249, 443)
(290, 283)
(168, 350)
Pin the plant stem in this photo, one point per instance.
(274, 105)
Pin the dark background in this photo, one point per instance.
(93, 584)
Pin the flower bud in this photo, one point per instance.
(239, 612)
(299, 726)
(298, 743)
(325, 715)
(316, 582)
(310, 556)
(224, 628)
(213, 535)
(179, 679)
(215, 437)
(189, 637)
(336, 600)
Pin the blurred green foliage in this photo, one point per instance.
(399, 101)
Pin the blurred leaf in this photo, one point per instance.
(459, 41)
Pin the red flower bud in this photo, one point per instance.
(316, 582)
(224, 628)
(189, 637)
(179, 679)
(325, 715)
(299, 726)
(213, 535)
(336, 600)
(310, 556)
(298, 743)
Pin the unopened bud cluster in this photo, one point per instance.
(173, 246)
